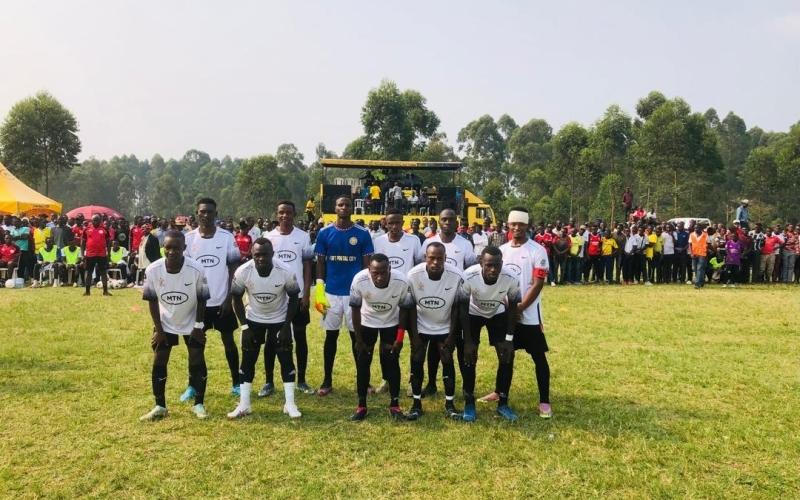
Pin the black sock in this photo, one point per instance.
(449, 379)
(542, 376)
(248, 371)
(468, 375)
(287, 365)
(301, 351)
(505, 371)
(199, 373)
(159, 377)
(233, 365)
(416, 378)
(329, 355)
(363, 364)
(269, 361)
(390, 362)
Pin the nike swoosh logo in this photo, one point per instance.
(524, 256)
(162, 379)
(219, 248)
(449, 288)
(296, 242)
(458, 251)
(187, 284)
(279, 284)
(405, 249)
(395, 296)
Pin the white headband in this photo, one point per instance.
(518, 216)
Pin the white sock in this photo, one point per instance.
(245, 397)
(288, 390)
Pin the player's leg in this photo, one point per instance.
(417, 363)
(299, 329)
(225, 323)
(198, 373)
(288, 371)
(433, 372)
(247, 371)
(158, 377)
(536, 345)
(363, 366)
(390, 367)
(448, 379)
(102, 270)
(331, 323)
(269, 370)
(468, 373)
(87, 278)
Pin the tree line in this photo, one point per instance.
(678, 161)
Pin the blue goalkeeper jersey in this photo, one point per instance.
(342, 250)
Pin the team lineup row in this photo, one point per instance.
(439, 292)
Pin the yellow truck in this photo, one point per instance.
(368, 190)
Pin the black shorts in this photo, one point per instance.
(497, 326)
(98, 263)
(226, 323)
(301, 318)
(174, 339)
(387, 335)
(428, 338)
(263, 332)
(530, 338)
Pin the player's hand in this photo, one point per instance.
(285, 338)
(505, 351)
(470, 353)
(361, 346)
(198, 335)
(159, 337)
(321, 302)
(304, 303)
(396, 347)
(446, 350)
(248, 340)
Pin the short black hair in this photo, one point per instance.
(287, 202)
(175, 234)
(379, 258)
(394, 211)
(262, 241)
(345, 197)
(435, 244)
(493, 251)
(206, 201)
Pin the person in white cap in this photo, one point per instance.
(742, 215)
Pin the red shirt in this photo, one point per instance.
(9, 252)
(77, 231)
(96, 239)
(136, 238)
(595, 245)
(244, 242)
(770, 243)
(544, 240)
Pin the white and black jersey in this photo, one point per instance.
(215, 254)
(434, 300)
(177, 294)
(460, 253)
(267, 296)
(292, 250)
(525, 261)
(489, 300)
(403, 254)
(380, 307)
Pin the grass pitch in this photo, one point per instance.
(657, 392)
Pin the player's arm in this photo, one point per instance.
(305, 300)
(539, 275)
(151, 297)
(237, 298)
(286, 330)
(197, 332)
(356, 301)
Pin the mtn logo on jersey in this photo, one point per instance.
(174, 298)
(285, 255)
(264, 298)
(208, 260)
(489, 305)
(381, 307)
(431, 302)
(396, 262)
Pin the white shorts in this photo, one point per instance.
(339, 306)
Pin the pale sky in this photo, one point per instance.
(240, 78)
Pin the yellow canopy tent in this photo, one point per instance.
(17, 198)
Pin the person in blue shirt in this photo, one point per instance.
(742, 215)
(343, 249)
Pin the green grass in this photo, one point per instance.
(658, 392)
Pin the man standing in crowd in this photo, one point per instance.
(733, 259)
(177, 291)
(380, 300)
(310, 210)
(627, 202)
(528, 260)
(698, 241)
(788, 254)
(272, 301)
(575, 260)
(743, 215)
(217, 252)
(767, 266)
(621, 240)
(498, 237)
(343, 249)
(681, 254)
(292, 248)
(480, 240)
(94, 247)
(488, 297)
(62, 235)
(433, 324)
